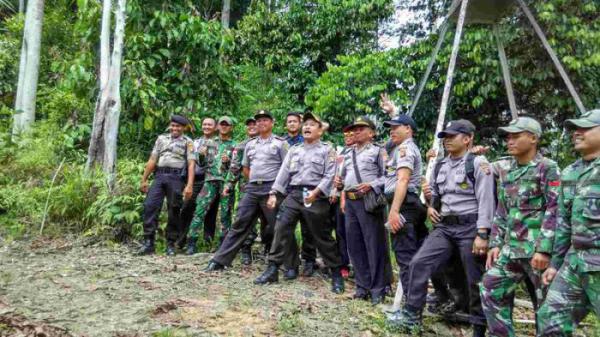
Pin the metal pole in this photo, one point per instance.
(434, 53)
(553, 56)
(506, 74)
(446, 96)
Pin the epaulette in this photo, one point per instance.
(297, 144)
(279, 138)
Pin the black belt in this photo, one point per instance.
(301, 187)
(459, 219)
(261, 182)
(168, 170)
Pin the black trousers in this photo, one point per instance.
(407, 241)
(317, 223)
(435, 254)
(167, 185)
(338, 219)
(254, 200)
(187, 214)
(367, 247)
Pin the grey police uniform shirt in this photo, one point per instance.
(371, 166)
(264, 157)
(405, 155)
(307, 165)
(459, 196)
(172, 152)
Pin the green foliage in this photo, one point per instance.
(298, 41)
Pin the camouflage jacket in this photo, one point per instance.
(578, 228)
(235, 169)
(526, 214)
(216, 169)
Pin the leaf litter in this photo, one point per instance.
(78, 287)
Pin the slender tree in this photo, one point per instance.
(29, 67)
(226, 13)
(103, 144)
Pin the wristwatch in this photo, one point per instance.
(483, 235)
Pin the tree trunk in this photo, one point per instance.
(29, 67)
(103, 144)
(21, 6)
(225, 13)
(96, 148)
(111, 129)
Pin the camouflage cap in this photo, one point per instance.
(522, 124)
(226, 119)
(310, 115)
(588, 120)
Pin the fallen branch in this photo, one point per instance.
(48, 198)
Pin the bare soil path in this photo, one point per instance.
(63, 288)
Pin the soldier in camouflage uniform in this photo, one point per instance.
(233, 177)
(522, 233)
(575, 266)
(217, 154)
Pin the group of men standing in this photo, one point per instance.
(496, 224)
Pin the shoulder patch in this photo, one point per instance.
(402, 151)
(485, 167)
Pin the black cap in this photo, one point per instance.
(250, 120)
(361, 121)
(180, 120)
(263, 113)
(458, 126)
(402, 119)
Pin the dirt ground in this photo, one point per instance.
(80, 288)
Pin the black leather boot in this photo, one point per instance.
(407, 320)
(170, 249)
(309, 268)
(271, 275)
(147, 246)
(191, 246)
(478, 330)
(337, 281)
(246, 255)
(291, 274)
(213, 266)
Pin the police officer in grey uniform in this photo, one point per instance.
(233, 177)
(462, 223)
(263, 157)
(406, 217)
(365, 231)
(308, 169)
(169, 157)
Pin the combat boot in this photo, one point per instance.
(191, 246)
(213, 266)
(170, 249)
(478, 330)
(147, 246)
(337, 281)
(246, 255)
(291, 274)
(309, 268)
(406, 321)
(271, 275)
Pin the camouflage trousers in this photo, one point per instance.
(497, 292)
(210, 196)
(572, 294)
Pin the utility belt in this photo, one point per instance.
(167, 170)
(355, 195)
(459, 219)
